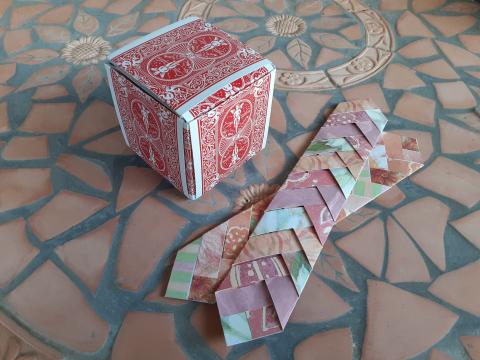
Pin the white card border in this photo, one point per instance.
(115, 104)
(196, 155)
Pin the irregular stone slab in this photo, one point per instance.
(460, 288)
(147, 336)
(401, 324)
(20, 187)
(58, 302)
(451, 179)
(425, 220)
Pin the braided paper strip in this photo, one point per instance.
(258, 266)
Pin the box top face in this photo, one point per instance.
(186, 62)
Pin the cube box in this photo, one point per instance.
(192, 101)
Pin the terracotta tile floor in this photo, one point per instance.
(87, 232)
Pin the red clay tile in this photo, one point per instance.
(401, 324)
(371, 91)
(451, 179)
(405, 264)
(331, 266)
(96, 4)
(439, 69)
(471, 42)
(460, 288)
(16, 252)
(455, 95)
(50, 92)
(471, 345)
(310, 310)
(425, 220)
(450, 25)
(218, 11)
(393, 5)
(4, 123)
(22, 14)
(418, 49)
(366, 245)
(87, 255)
(155, 6)
(7, 71)
(334, 344)
(20, 187)
(65, 210)
(438, 355)
(42, 351)
(262, 161)
(58, 301)
(53, 33)
(58, 15)
(457, 140)
(469, 226)
(260, 353)
(139, 338)
(464, 7)
(111, 144)
(5, 90)
(305, 107)
(121, 7)
(45, 76)
(280, 60)
(332, 10)
(149, 232)
(356, 219)
(87, 171)
(4, 5)
(398, 76)
(49, 118)
(426, 5)
(416, 108)
(300, 142)
(327, 55)
(136, 183)
(353, 32)
(96, 118)
(329, 23)
(391, 198)
(206, 322)
(410, 25)
(210, 202)
(277, 117)
(471, 119)
(457, 55)
(16, 40)
(26, 148)
(153, 24)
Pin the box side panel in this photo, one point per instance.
(150, 128)
(234, 131)
(225, 89)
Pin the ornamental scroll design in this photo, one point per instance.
(377, 54)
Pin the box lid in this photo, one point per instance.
(184, 63)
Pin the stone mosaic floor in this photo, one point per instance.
(87, 232)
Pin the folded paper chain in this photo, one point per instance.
(256, 264)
